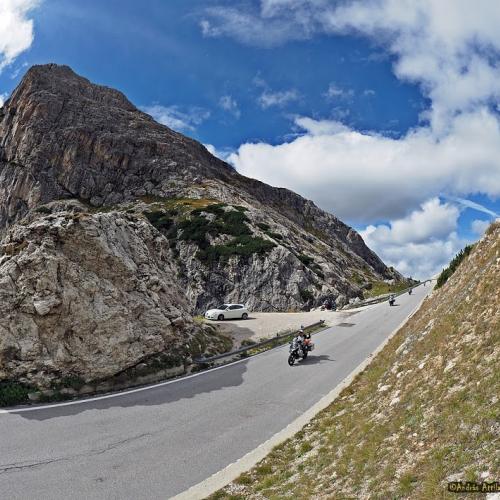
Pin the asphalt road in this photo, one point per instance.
(154, 443)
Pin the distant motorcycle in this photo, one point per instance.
(410, 291)
(299, 348)
(392, 300)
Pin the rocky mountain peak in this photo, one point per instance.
(62, 82)
(62, 136)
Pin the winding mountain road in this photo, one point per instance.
(158, 441)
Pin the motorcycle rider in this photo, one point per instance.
(305, 338)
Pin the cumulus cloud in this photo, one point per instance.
(16, 29)
(364, 176)
(3, 98)
(422, 243)
(177, 119)
(219, 153)
(227, 103)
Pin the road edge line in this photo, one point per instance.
(225, 476)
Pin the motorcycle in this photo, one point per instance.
(392, 301)
(299, 349)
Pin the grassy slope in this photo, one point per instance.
(425, 410)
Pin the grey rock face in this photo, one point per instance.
(90, 294)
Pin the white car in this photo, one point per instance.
(227, 311)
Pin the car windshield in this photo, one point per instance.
(222, 307)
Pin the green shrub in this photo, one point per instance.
(44, 210)
(159, 220)
(243, 246)
(233, 223)
(13, 393)
(447, 272)
(319, 272)
(73, 381)
(195, 230)
(276, 236)
(305, 259)
(197, 227)
(263, 226)
(306, 295)
(216, 209)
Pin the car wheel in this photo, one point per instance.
(220, 317)
(244, 316)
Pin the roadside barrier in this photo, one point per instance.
(382, 298)
(242, 350)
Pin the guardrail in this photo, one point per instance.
(383, 298)
(202, 361)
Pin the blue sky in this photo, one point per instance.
(335, 101)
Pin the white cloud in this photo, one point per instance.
(320, 127)
(443, 45)
(219, 153)
(335, 92)
(268, 98)
(449, 49)
(16, 30)
(422, 243)
(369, 92)
(3, 98)
(175, 118)
(273, 23)
(363, 176)
(227, 103)
(479, 226)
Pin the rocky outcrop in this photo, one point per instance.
(87, 294)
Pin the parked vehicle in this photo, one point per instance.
(228, 311)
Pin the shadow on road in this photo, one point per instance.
(312, 360)
(210, 381)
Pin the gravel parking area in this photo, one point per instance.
(262, 325)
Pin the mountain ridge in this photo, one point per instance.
(39, 96)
